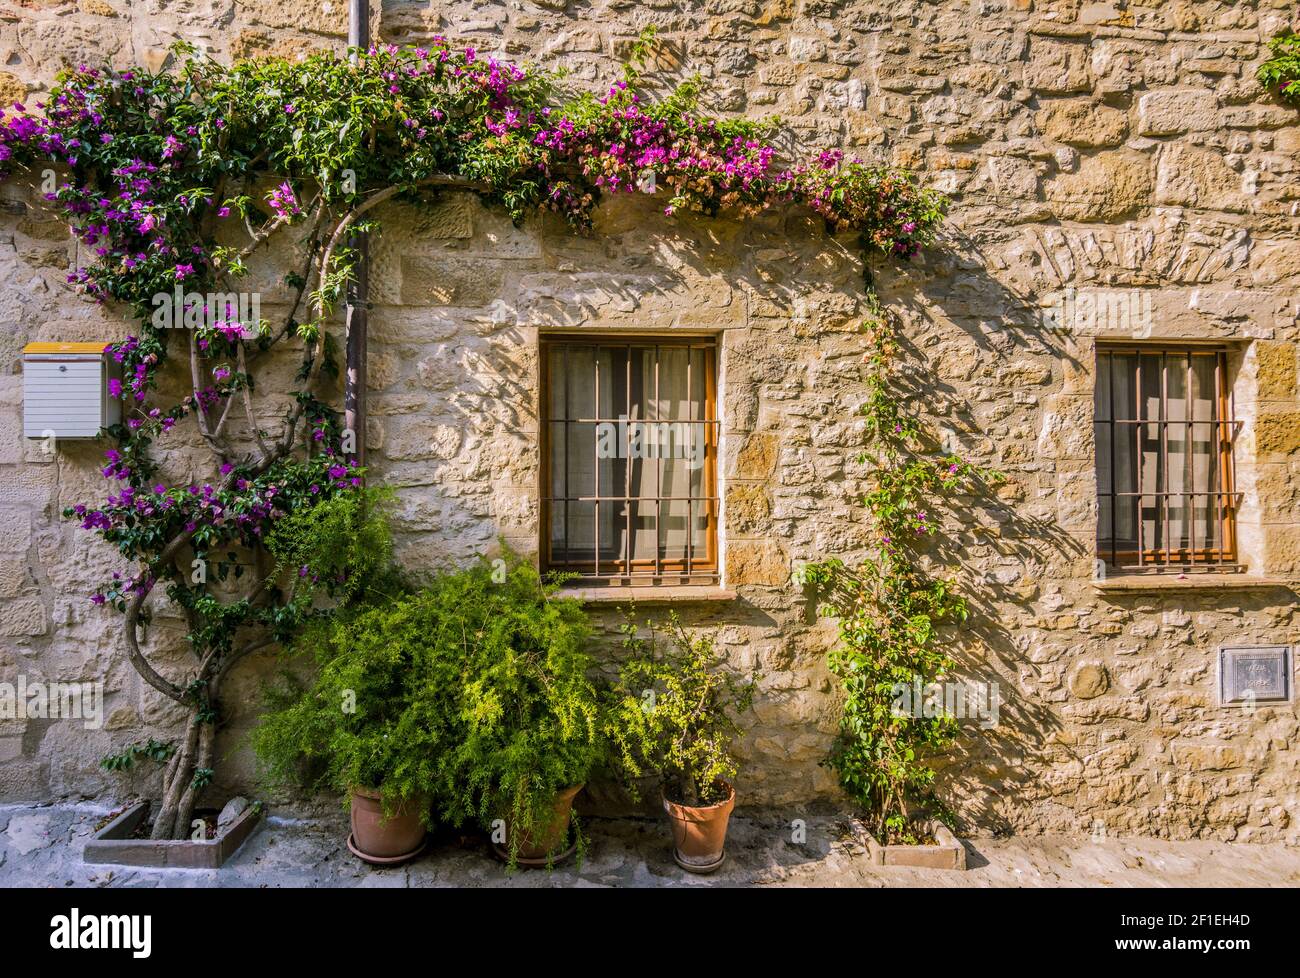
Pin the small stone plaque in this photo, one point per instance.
(1255, 674)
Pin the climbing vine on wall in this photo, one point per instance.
(895, 617)
(174, 181)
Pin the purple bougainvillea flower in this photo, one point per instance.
(283, 201)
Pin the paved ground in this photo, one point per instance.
(42, 847)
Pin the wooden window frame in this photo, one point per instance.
(646, 572)
(1225, 498)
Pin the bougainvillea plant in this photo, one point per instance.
(1281, 72)
(173, 180)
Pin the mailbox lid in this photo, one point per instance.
(71, 350)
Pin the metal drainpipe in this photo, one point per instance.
(354, 389)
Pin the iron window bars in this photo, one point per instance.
(629, 449)
(1165, 430)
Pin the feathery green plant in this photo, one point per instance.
(674, 712)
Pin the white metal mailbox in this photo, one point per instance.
(65, 390)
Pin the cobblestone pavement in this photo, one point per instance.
(41, 846)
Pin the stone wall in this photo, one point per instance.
(1087, 146)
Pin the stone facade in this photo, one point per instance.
(1086, 146)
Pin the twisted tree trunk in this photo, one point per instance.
(203, 761)
(180, 771)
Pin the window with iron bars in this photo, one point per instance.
(1165, 433)
(629, 459)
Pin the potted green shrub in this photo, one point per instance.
(378, 711)
(374, 724)
(529, 730)
(673, 717)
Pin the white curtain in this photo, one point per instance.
(1179, 459)
(633, 450)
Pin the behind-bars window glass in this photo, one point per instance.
(631, 435)
(1165, 433)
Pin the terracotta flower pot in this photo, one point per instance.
(700, 834)
(548, 840)
(397, 837)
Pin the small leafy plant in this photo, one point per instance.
(154, 750)
(527, 715)
(674, 713)
(1281, 72)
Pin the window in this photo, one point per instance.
(630, 436)
(1165, 431)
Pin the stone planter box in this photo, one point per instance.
(114, 843)
(949, 853)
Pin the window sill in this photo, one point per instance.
(1145, 583)
(681, 594)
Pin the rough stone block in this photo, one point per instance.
(1107, 187)
(14, 577)
(1206, 757)
(12, 89)
(757, 457)
(1275, 370)
(1171, 112)
(1058, 68)
(1275, 262)
(250, 44)
(1188, 176)
(299, 15)
(1013, 177)
(747, 506)
(25, 616)
(1277, 433)
(449, 282)
(1066, 432)
(757, 562)
(1083, 123)
(1282, 550)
